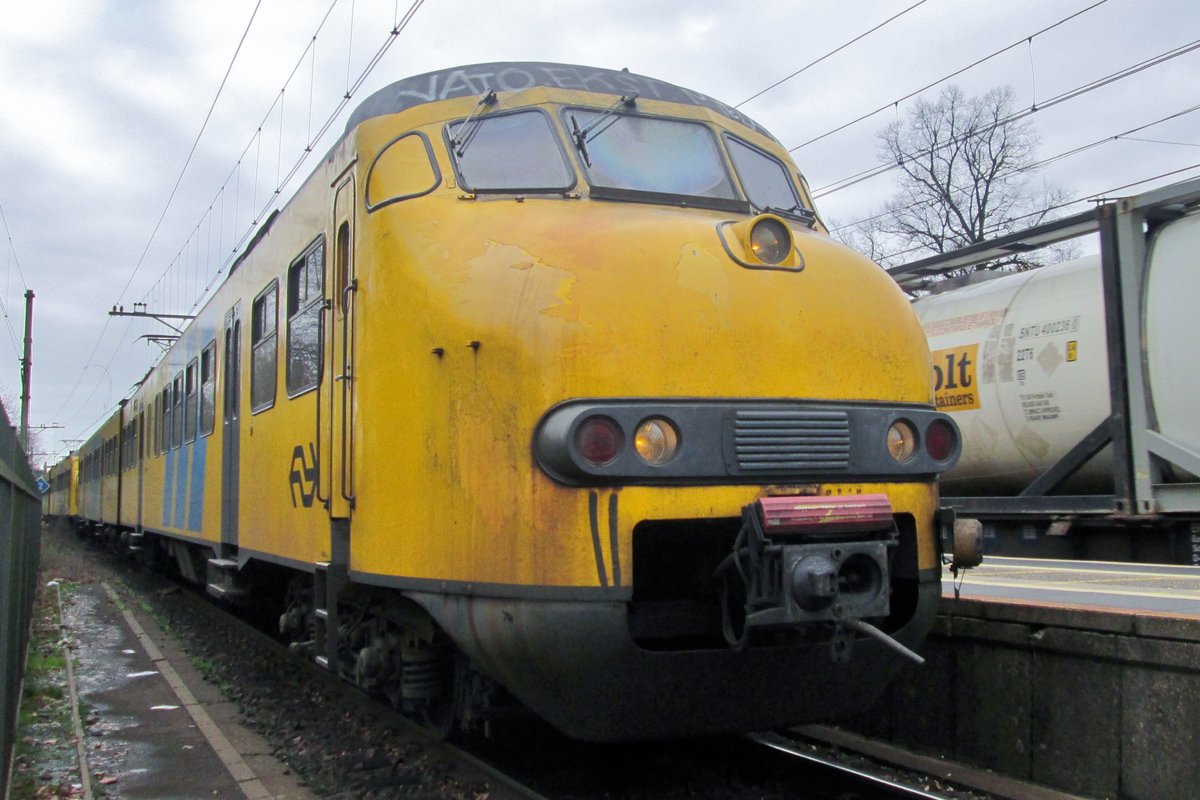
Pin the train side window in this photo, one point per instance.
(265, 351)
(305, 304)
(208, 388)
(166, 421)
(405, 168)
(764, 178)
(509, 152)
(177, 410)
(190, 402)
(341, 264)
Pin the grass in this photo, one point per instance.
(44, 758)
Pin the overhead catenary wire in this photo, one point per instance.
(12, 254)
(12, 248)
(1082, 198)
(188, 160)
(170, 282)
(832, 52)
(1124, 135)
(1071, 94)
(166, 206)
(945, 78)
(311, 141)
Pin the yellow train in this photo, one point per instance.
(62, 498)
(548, 383)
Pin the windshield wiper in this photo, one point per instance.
(584, 135)
(461, 140)
(797, 212)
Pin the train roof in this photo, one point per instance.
(512, 76)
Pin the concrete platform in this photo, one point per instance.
(1092, 700)
(153, 728)
(1161, 589)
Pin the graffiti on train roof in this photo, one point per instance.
(510, 76)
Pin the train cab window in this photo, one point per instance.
(404, 169)
(191, 395)
(208, 388)
(305, 304)
(650, 158)
(764, 178)
(264, 344)
(512, 152)
(177, 410)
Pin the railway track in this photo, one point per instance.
(879, 784)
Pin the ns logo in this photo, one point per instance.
(303, 476)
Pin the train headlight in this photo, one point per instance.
(940, 440)
(598, 440)
(770, 240)
(901, 440)
(761, 242)
(656, 441)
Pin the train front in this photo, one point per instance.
(664, 458)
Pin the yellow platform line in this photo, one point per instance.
(1079, 590)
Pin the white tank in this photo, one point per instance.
(1022, 363)
(1172, 332)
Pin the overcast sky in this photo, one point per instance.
(102, 100)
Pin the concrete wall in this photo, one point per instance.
(1098, 704)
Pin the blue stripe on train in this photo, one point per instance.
(168, 478)
(196, 485)
(181, 470)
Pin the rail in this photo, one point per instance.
(20, 554)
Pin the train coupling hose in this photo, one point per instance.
(868, 629)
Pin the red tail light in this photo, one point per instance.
(940, 440)
(598, 440)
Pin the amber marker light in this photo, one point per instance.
(901, 440)
(656, 441)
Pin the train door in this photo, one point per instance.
(140, 456)
(340, 379)
(230, 433)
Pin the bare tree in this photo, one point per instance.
(966, 171)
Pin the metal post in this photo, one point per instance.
(26, 368)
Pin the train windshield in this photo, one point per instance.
(651, 155)
(764, 178)
(509, 153)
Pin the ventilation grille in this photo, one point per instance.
(791, 441)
